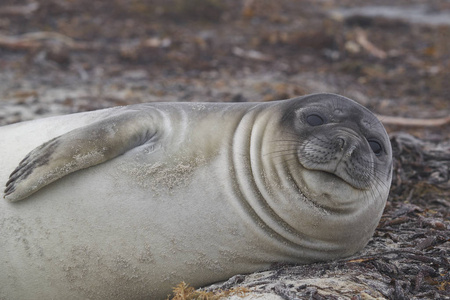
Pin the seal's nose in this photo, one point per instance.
(340, 142)
(346, 144)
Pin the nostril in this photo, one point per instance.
(350, 150)
(345, 146)
(340, 143)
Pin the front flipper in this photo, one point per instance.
(78, 149)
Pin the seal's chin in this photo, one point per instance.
(336, 174)
(330, 191)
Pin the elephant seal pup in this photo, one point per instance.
(127, 202)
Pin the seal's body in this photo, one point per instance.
(127, 202)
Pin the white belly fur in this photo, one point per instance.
(100, 234)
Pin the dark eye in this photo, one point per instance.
(376, 147)
(315, 120)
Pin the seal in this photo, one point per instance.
(127, 202)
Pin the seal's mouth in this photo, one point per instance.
(336, 175)
(333, 177)
(330, 191)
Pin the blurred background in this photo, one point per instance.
(393, 56)
(65, 56)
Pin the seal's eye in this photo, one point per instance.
(315, 120)
(376, 147)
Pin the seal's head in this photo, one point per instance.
(338, 157)
(341, 143)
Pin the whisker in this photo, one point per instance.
(281, 153)
(279, 141)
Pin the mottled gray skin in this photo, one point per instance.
(127, 202)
